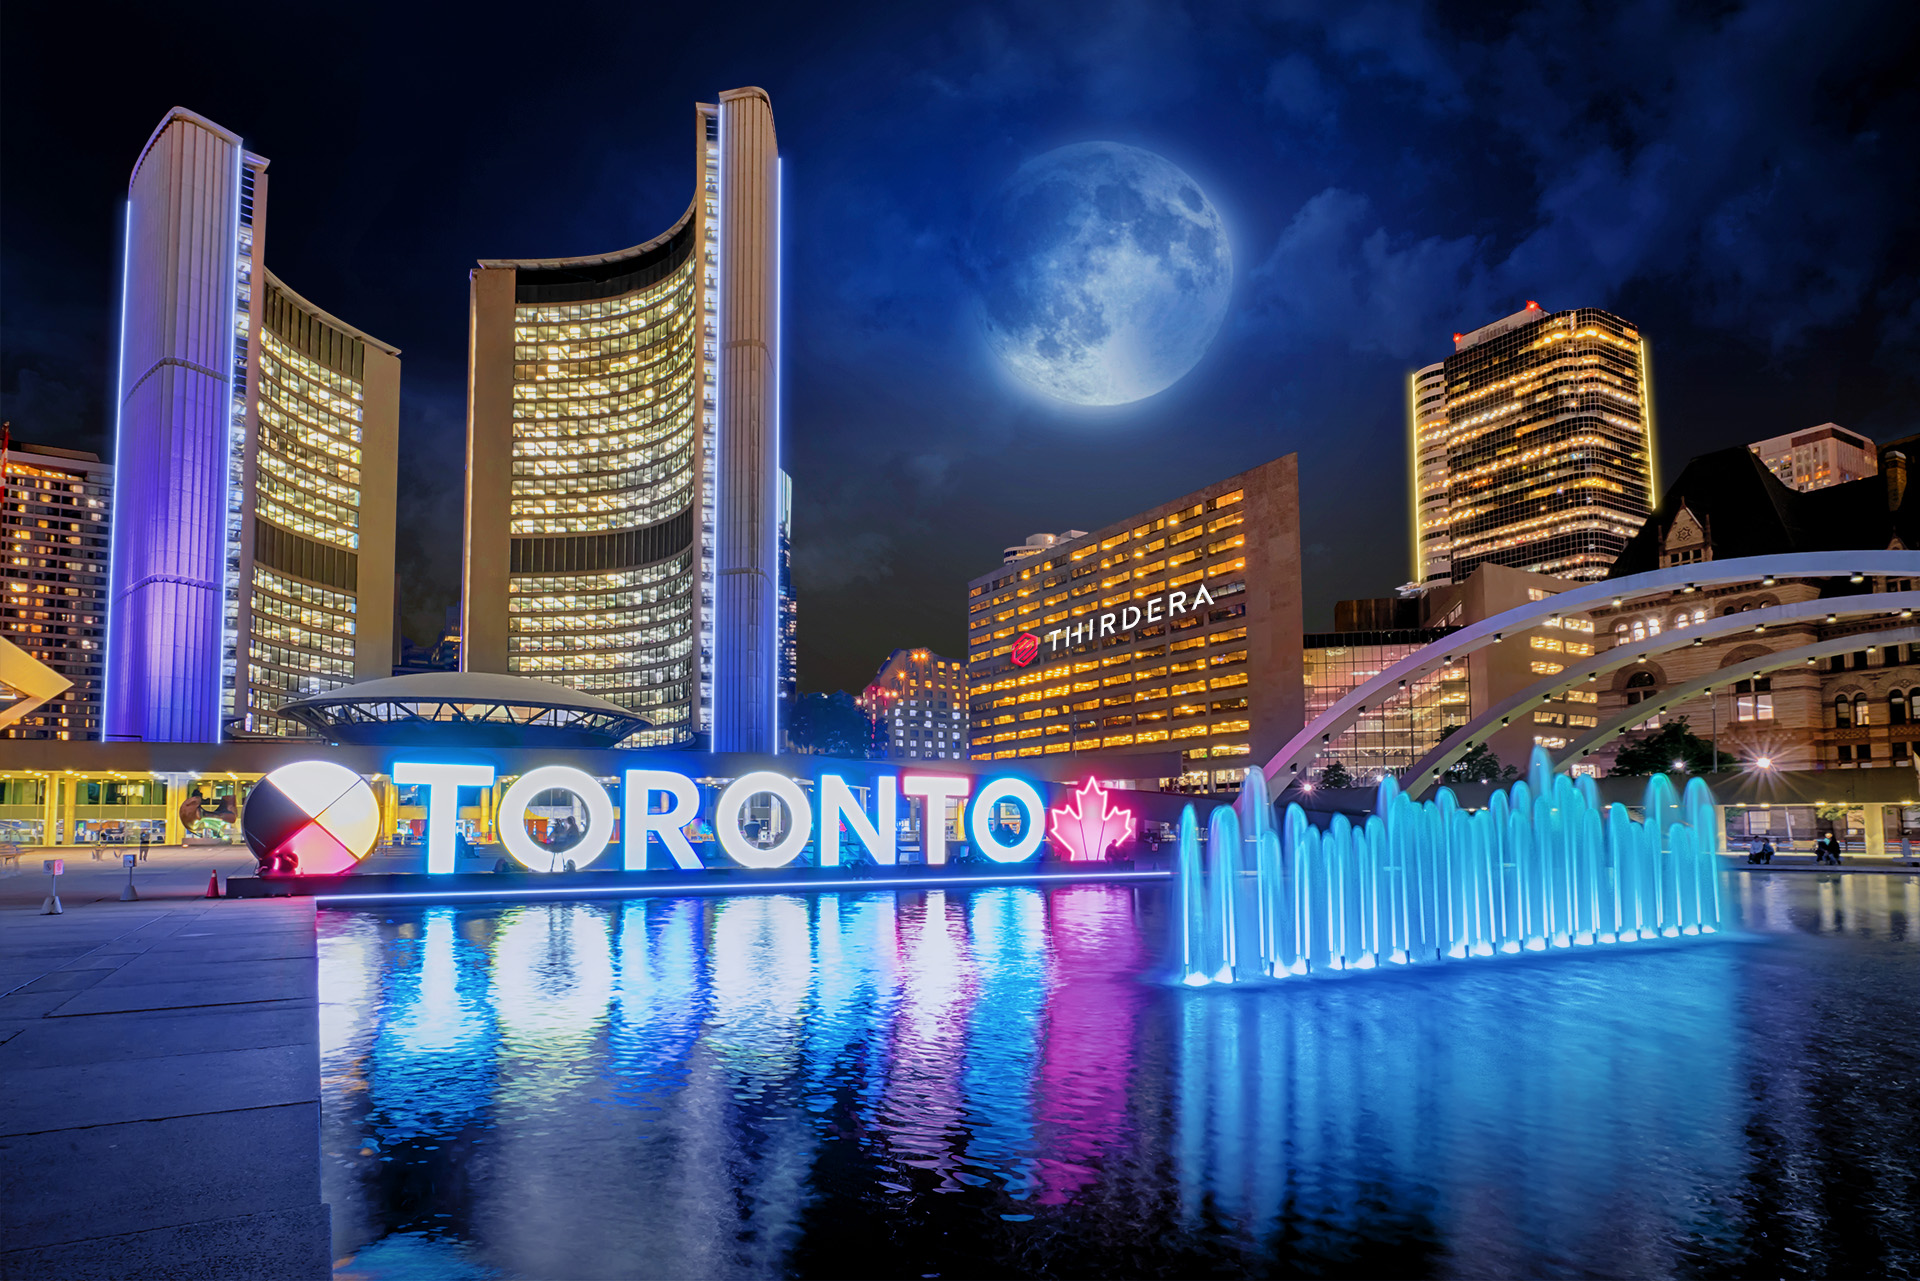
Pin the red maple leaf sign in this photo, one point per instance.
(1089, 826)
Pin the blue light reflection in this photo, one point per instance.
(986, 1082)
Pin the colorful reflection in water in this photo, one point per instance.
(984, 1084)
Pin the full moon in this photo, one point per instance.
(1105, 272)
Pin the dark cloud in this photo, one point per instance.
(1735, 177)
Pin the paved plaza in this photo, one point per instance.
(159, 1061)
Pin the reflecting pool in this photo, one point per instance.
(988, 1084)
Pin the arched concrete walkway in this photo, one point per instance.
(1300, 751)
(1427, 771)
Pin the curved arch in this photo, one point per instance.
(1305, 745)
(1425, 773)
(1651, 676)
(1613, 728)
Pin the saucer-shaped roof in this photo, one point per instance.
(465, 709)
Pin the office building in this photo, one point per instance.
(1539, 454)
(1174, 629)
(918, 704)
(1372, 635)
(624, 494)
(1825, 455)
(1433, 546)
(54, 516)
(252, 543)
(1853, 710)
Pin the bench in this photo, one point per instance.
(10, 855)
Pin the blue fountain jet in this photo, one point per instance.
(1544, 866)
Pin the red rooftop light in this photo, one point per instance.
(1532, 305)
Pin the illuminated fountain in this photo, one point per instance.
(1545, 865)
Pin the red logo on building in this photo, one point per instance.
(1090, 825)
(1026, 647)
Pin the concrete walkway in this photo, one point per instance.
(160, 1066)
(1737, 862)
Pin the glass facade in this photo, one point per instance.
(308, 455)
(1548, 444)
(1389, 738)
(610, 396)
(55, 526)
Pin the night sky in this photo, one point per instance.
(1738, 180)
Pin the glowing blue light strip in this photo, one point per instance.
(588, 891)
(776, 639)
(119, 460)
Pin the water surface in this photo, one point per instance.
(987, 1083)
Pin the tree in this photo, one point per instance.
(831, 725)
(1335, 775)
(1479, 765)
(1671, 749)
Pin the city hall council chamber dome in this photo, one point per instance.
(463, 709)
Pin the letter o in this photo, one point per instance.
(1005, 789)
(512, 821)
(733, 799)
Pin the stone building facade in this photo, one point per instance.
(1853, 710)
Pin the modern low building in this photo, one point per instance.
(624, 493)
(1038, 545)
(256, 458)
(54, 517)
(1532, 446)
(1821, 456)
(1375, 634)
(1176, 629)
(918, 704)
(1853, 710)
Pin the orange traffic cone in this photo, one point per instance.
(213, 884)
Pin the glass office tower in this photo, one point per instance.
(256, 450)
(1547, 432)
(624, 501)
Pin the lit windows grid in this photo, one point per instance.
(1388, 737)
(302, 643)
(1179, 683)
(625, 636)
(1547, 457)
(604, 409)
(308, 454)
(53, 558)
(919, 704)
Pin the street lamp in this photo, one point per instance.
(1764, 762)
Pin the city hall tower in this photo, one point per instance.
(623, 458)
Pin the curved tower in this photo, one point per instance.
(623, 499)
(252, 537)
(190, 258)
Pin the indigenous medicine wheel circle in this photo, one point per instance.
(314, 818)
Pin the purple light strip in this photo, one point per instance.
(113, 488)
(583, 891)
